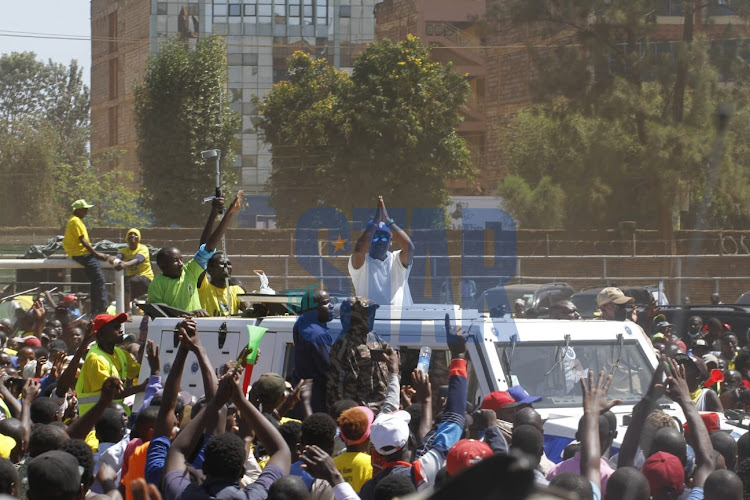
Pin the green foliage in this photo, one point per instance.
(44, 162)
(113, 192)
(623, 123)
(181, 110)
(389, 128)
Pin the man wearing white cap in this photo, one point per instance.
(390, 436)
(610, 300)
(77, 245)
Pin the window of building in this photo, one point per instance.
(345, 11)
(279, 13)
(220, 10)
(294, 10)
(235, 9)
(250, 10)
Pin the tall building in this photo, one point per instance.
(260, 36)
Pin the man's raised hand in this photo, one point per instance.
(677, 386)
(189, 334)
(320, 465)
(30, 390)
(455, 339)
(238, 202)
(595, 393)
(111, 388)
(152, 355)
(420, 382)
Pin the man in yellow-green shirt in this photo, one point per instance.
(177, 285)
(212, 289)
(136, 261)
(78, 247)
(104, 360)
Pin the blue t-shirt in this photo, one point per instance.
(297, 470)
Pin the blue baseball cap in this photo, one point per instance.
(521, 396)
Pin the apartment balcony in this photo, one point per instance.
(455, 45)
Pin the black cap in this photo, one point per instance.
(54, 473)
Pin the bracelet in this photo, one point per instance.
(390, 223)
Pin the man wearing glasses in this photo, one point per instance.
(376, 272)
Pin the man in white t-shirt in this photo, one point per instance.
(376, 272)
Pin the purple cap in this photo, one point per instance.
(521, 396)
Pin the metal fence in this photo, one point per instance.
(695, 275)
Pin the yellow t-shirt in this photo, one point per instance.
(74, 229)
(214, 299)
(356, 467)
(142, 269)
(92, 441)
(96, 369)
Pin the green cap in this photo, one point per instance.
(80, 204)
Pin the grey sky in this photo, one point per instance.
(64, 17)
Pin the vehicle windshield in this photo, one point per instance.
(549, 370)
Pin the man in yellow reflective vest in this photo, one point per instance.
(104, 360)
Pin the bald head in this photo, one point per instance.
(288, 488)
(627, 483)
(671, 441)
(528, 416)
(725, 444)
(722, 485)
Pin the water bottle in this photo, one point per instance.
(424, 359)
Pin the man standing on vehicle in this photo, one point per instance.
(376, 272)
(77, 245)
(358, 370)
(612, 302)
(177, 286)
(136, 260)
(312, 344)
(212, 288)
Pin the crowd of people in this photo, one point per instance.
(78, 421)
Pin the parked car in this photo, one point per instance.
(537, 295)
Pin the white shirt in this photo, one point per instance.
(386, 282)
(112, 455)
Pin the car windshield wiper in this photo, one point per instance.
(559, 357)
(506, 358)
(620, 341)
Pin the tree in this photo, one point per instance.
(181, 110)
(623, 119)
(44, 111)
(117, 202)
(389, 128)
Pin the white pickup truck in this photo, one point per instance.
(546, 357)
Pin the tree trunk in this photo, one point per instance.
(678, 105)
(634, 77)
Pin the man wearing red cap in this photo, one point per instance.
(505, 407)
(105, 360)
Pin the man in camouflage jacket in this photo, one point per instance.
(357, 365)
